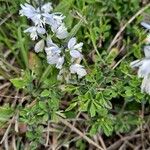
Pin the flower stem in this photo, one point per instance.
(45, 73)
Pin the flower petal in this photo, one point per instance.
(52, 59)
(41, 30)
(39, 46)
(61, 32)
(136, 63)
(46, 8)
(60, 62)
(78, 46)
(146, 25)
(72, 42)
(144, 69)
(75, 54)
(147, 51)
(79, 69)
(145, 87)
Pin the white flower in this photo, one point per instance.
(146, 25)
(36, 15)
(147, 51)
(144, 64)
(145, 87)
(38, 20)
(58, 19)
(144, 70)
(42, 16)
(52, 46)
(55, 59)
(61, 32)
(35, 31)
(79, 69)
(72, 44)
(60, 62)
(75, 49)
(136, 63)
(52, 59)
(39, 46)
(54, 19)
(31, 13)
(53, 54)
(28, 11)
(46, 8)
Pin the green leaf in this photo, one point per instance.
(5, 113)
(45, 93)
(84, 105)
(22, 82)
(71, 106)
(137, 51)
(64, 7)
(24, 51)
(94, 129)
(42, 105)
(74, 30)
(18, 83)
(92, 110)
(112, 55)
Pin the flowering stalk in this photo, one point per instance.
(144, 64)
(47, 26)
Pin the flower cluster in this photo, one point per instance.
(48, 25)
(41, 17)
(144, 64)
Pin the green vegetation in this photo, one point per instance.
(38, 111)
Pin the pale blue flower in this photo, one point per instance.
(54, 54)
(35, 31)
(36, 15)
(147, 51)
(78, 69)
(52, 46)
(146, 25)
(61, 32)
(144, 70)
(55, 20)
(28, 11)
(144, 64)
(47, 8)
(74, 48)
(145, 87)
(39, 46)
(31, 13)
(42, 16)
(60, 62)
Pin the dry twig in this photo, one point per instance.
(123, 27)
(90, 141)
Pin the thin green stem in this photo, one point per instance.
(24, 52)
(46, 73)
(94, 45)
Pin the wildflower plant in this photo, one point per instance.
(47, 27)
(64, 91)
(144, 64)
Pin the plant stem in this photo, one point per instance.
(45, 73)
